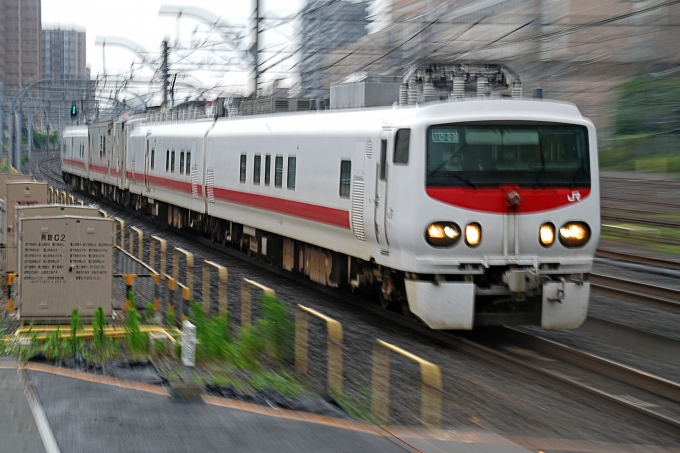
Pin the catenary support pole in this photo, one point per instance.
(17, 142)
(30, 136)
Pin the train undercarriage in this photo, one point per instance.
(493, 300)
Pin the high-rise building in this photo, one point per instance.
(20, 26)
(63, 55)
(326, 25)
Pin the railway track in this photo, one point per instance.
(655, 295)
(637, 259)
(46, 170)
(649, 399)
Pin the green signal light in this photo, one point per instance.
(74, 110)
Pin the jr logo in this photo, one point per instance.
(575, 196)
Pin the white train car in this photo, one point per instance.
(465, 213)
(74, 151)
(166, 163)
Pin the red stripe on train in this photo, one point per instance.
(495, 199)
(75, 163)
(330, 216)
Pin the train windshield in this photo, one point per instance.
(487, 155)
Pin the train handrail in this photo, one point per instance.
(431, 387)
(335, 337)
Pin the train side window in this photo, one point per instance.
(267, 169)
(244, 161)
(278, 171)
(167, 161)
(188, 167)
(345, 177)
(401, 147)
(256, 169)
(181, 163)
(290, 183)
(172, 161)
(153, 158)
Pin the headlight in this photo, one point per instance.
(442, 234)
(473, 234)
(574, 234)
(546, 234)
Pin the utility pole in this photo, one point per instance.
(30, 135)
(17, 150)
(164, 70)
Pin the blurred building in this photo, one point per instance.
(326, 25)
(63, 55)
(576, 50)
(64, 62)
(20, 26)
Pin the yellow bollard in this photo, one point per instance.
(335, 338)
(431, 387)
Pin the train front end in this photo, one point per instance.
(508, 220)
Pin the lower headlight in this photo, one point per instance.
(442, 234)
(546, 234)
(574, 234)
(473, 234)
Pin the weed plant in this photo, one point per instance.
(277, 330)
(282, 382)
(75, 343)
(170, 319)
(213, 334)
(136, 340)
(98, 337)
(158, 348)
(55, 347)
(149, 313)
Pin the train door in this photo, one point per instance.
(381, 194)
(147, 158)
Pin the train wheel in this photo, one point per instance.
(385, 303)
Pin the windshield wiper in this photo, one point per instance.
(577, 173)
(450, 158)
(537, 181)
(460, 178)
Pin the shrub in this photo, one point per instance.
(76, 344)
(98, 336)
(278, 331)
(149, 313)
(136, 339)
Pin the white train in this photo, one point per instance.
(466, 213)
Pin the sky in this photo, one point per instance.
(139, 21)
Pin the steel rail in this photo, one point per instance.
(637, 259)
(640, 221)
(624, 373)
(658, 296)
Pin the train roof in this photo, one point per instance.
(368, 119)
(75, 131)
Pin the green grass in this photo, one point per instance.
(645, 244)
(282, 382)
